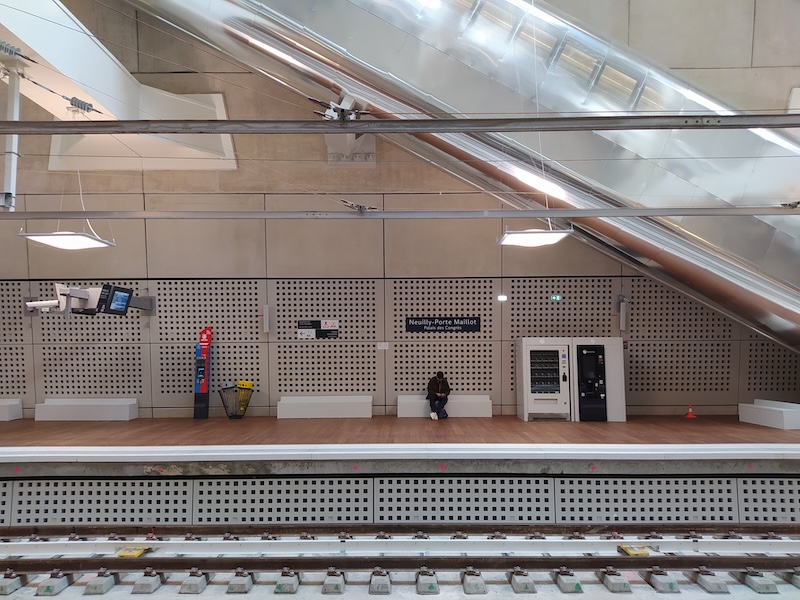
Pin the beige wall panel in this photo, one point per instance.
(508, 402)
(14, 257)
(688, 34)
(325, 248)
(165, 49)
(568, 257)
(205, 248)
(748, 89)
(126, 259)
(442, 247)
(606, 18)
(776, 42)
(114, 24)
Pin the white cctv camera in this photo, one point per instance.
(43, 305)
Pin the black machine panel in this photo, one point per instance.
(591, 383)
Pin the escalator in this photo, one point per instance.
(470, 58)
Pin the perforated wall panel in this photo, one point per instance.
(229, 362)
(92, 370)
(13, 323)
(443, 298)
(16, 374)
(53, 328)
(468, 366)
(535, 311)
(769, 500)
(397, 500)
(232, 307)
(680, 366)
(463, 500)
(323, 366)
(639, 500)
(5, 503)
(283, 500)
(64, 502)
(771, 368)
(656, 312)
(354, 303)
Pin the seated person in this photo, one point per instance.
(438, 391)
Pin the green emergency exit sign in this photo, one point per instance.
(555, 297)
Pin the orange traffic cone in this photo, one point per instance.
(690, 414)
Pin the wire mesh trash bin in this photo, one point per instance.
(235, 399)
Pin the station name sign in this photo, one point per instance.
(442, 324)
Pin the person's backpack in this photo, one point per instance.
(443, 414)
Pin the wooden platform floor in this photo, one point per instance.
(387, 430)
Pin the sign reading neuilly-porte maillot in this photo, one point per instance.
(442, 324)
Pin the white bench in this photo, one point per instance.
(771, 413)
(10, 409)
(458, 405)
(87, 409)
(325, 407)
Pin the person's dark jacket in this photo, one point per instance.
(438, 386)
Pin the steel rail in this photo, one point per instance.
(389, 126)
(578, 562)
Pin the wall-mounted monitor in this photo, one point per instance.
(114, 300)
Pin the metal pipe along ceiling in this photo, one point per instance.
(457, 58)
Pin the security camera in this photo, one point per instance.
(43, 305)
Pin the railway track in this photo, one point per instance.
(686, 559)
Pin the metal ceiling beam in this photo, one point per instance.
(449, 125)
(370, 213)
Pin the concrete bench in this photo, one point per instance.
(87, 409)
(10, 409)
(325, 407)
(771, 413)
(458, 405)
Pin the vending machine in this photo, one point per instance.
(577, 379)
(543, 382)
(598, 379)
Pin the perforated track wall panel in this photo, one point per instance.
(645, 500)
(659, 313)
(383, 500)
(353, 303)
(468, 366)
(13, 323)
(771, 369)
(463, 500)
(232, 307)
(16, 374)
(5, 503)
(694, 367)
(535, 311)
(768, 500)
(325, 367)
(92, 370)
(87, 501)
(285, 501)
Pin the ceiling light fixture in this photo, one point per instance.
(69, 240)
(533, 238)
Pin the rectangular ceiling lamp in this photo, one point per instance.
(533, 238)
(68, 240)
